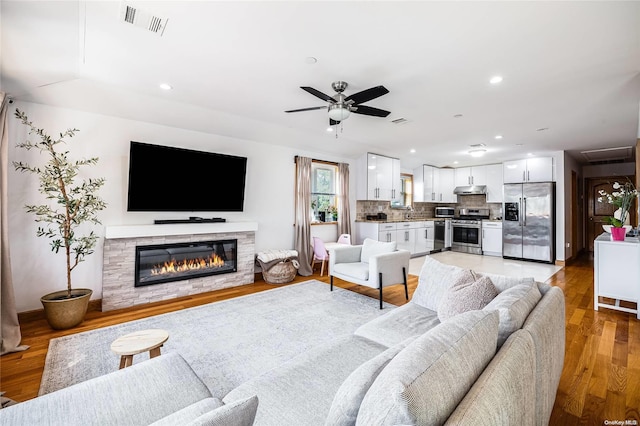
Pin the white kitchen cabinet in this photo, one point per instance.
(616, 270)
(396, 183)
(387, 232)
(538, 169)
(425, 237)
(406, 235)
(376, 177)
(491, 238)
(476, 175)
(494, 183)
(446, 185)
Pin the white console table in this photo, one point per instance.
(616, 269)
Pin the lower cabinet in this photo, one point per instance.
(491, 238)
(417, 236)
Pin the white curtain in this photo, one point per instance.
(302, 220)
(344, 217)
(11, 335)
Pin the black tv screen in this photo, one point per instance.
(164, 178)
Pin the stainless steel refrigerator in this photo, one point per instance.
(528, 222)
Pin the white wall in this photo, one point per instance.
(36, 270)
(559, 177)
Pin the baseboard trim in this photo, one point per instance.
(38, 314)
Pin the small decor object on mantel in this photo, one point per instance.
(73, 203)
(622, 198)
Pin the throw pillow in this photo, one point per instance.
(347, 400)
(237, 413)
(514, 305)
(466, 294)
(424, 383)
(371, 247)
(434, 280)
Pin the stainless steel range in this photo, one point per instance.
(467, 230)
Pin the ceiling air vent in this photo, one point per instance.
(399, 121)
(142, 19)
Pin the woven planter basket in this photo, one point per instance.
(281, 272)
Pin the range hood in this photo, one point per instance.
(470, 190)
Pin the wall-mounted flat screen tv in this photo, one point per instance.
(164, 178)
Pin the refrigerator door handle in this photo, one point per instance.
(520, 211)
(524, 212)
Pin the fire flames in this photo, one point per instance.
(174, 266)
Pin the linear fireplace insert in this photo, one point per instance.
(163, 263)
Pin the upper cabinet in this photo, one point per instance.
(476, 175)
(494, 183)
(397, 197)
(538, 169)
(379, 178)
(433, 185)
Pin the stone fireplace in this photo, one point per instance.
(150, 263)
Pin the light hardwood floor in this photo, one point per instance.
(600, 380)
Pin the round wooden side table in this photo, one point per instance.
(137, 342)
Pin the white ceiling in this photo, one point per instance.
(235, 67)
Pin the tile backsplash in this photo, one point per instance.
(425, 210)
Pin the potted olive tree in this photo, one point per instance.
(72, 202)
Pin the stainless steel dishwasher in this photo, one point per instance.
(438, 244)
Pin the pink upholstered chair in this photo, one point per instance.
(320, 253)
(344, 239)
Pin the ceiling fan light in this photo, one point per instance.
(338, 112)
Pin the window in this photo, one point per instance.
(323, 192)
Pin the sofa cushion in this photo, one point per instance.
(467, 293)
(237, 413)
(434, 280)
(425, 382)
(371, 247)
(346, 402)
(504, 282)
(189, 413)
(301, 391)
(359, 270)
(399, 324)
(502, 394)
(514, 305)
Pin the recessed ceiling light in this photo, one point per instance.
(329, 129)
(310, 60)
(477, 152)
(413, 151)
(165, 86)
(497, 79)
(530, 154)
(498, 137)
(455, 162)
(457, 116)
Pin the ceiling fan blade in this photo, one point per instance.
(367, 110)
(318, 94)
(367, 95)
(333, 122)
(307, 109)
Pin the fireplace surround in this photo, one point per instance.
(119, 259)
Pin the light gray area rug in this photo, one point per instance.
(226, 342)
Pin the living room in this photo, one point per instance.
(57, 93)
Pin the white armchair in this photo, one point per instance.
(373, 264)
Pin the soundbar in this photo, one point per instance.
(190, 220)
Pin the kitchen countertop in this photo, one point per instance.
(422, 219)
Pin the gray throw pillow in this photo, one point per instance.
(514, 305)
(237, 413)
(434, 280)
(371, 247)
(347, 400)
(467, 293)
(424, 383)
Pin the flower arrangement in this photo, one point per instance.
(622, 197)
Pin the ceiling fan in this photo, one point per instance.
(341, 106)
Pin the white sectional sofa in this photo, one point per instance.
(499, 365)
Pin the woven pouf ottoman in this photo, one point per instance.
(278, 266)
